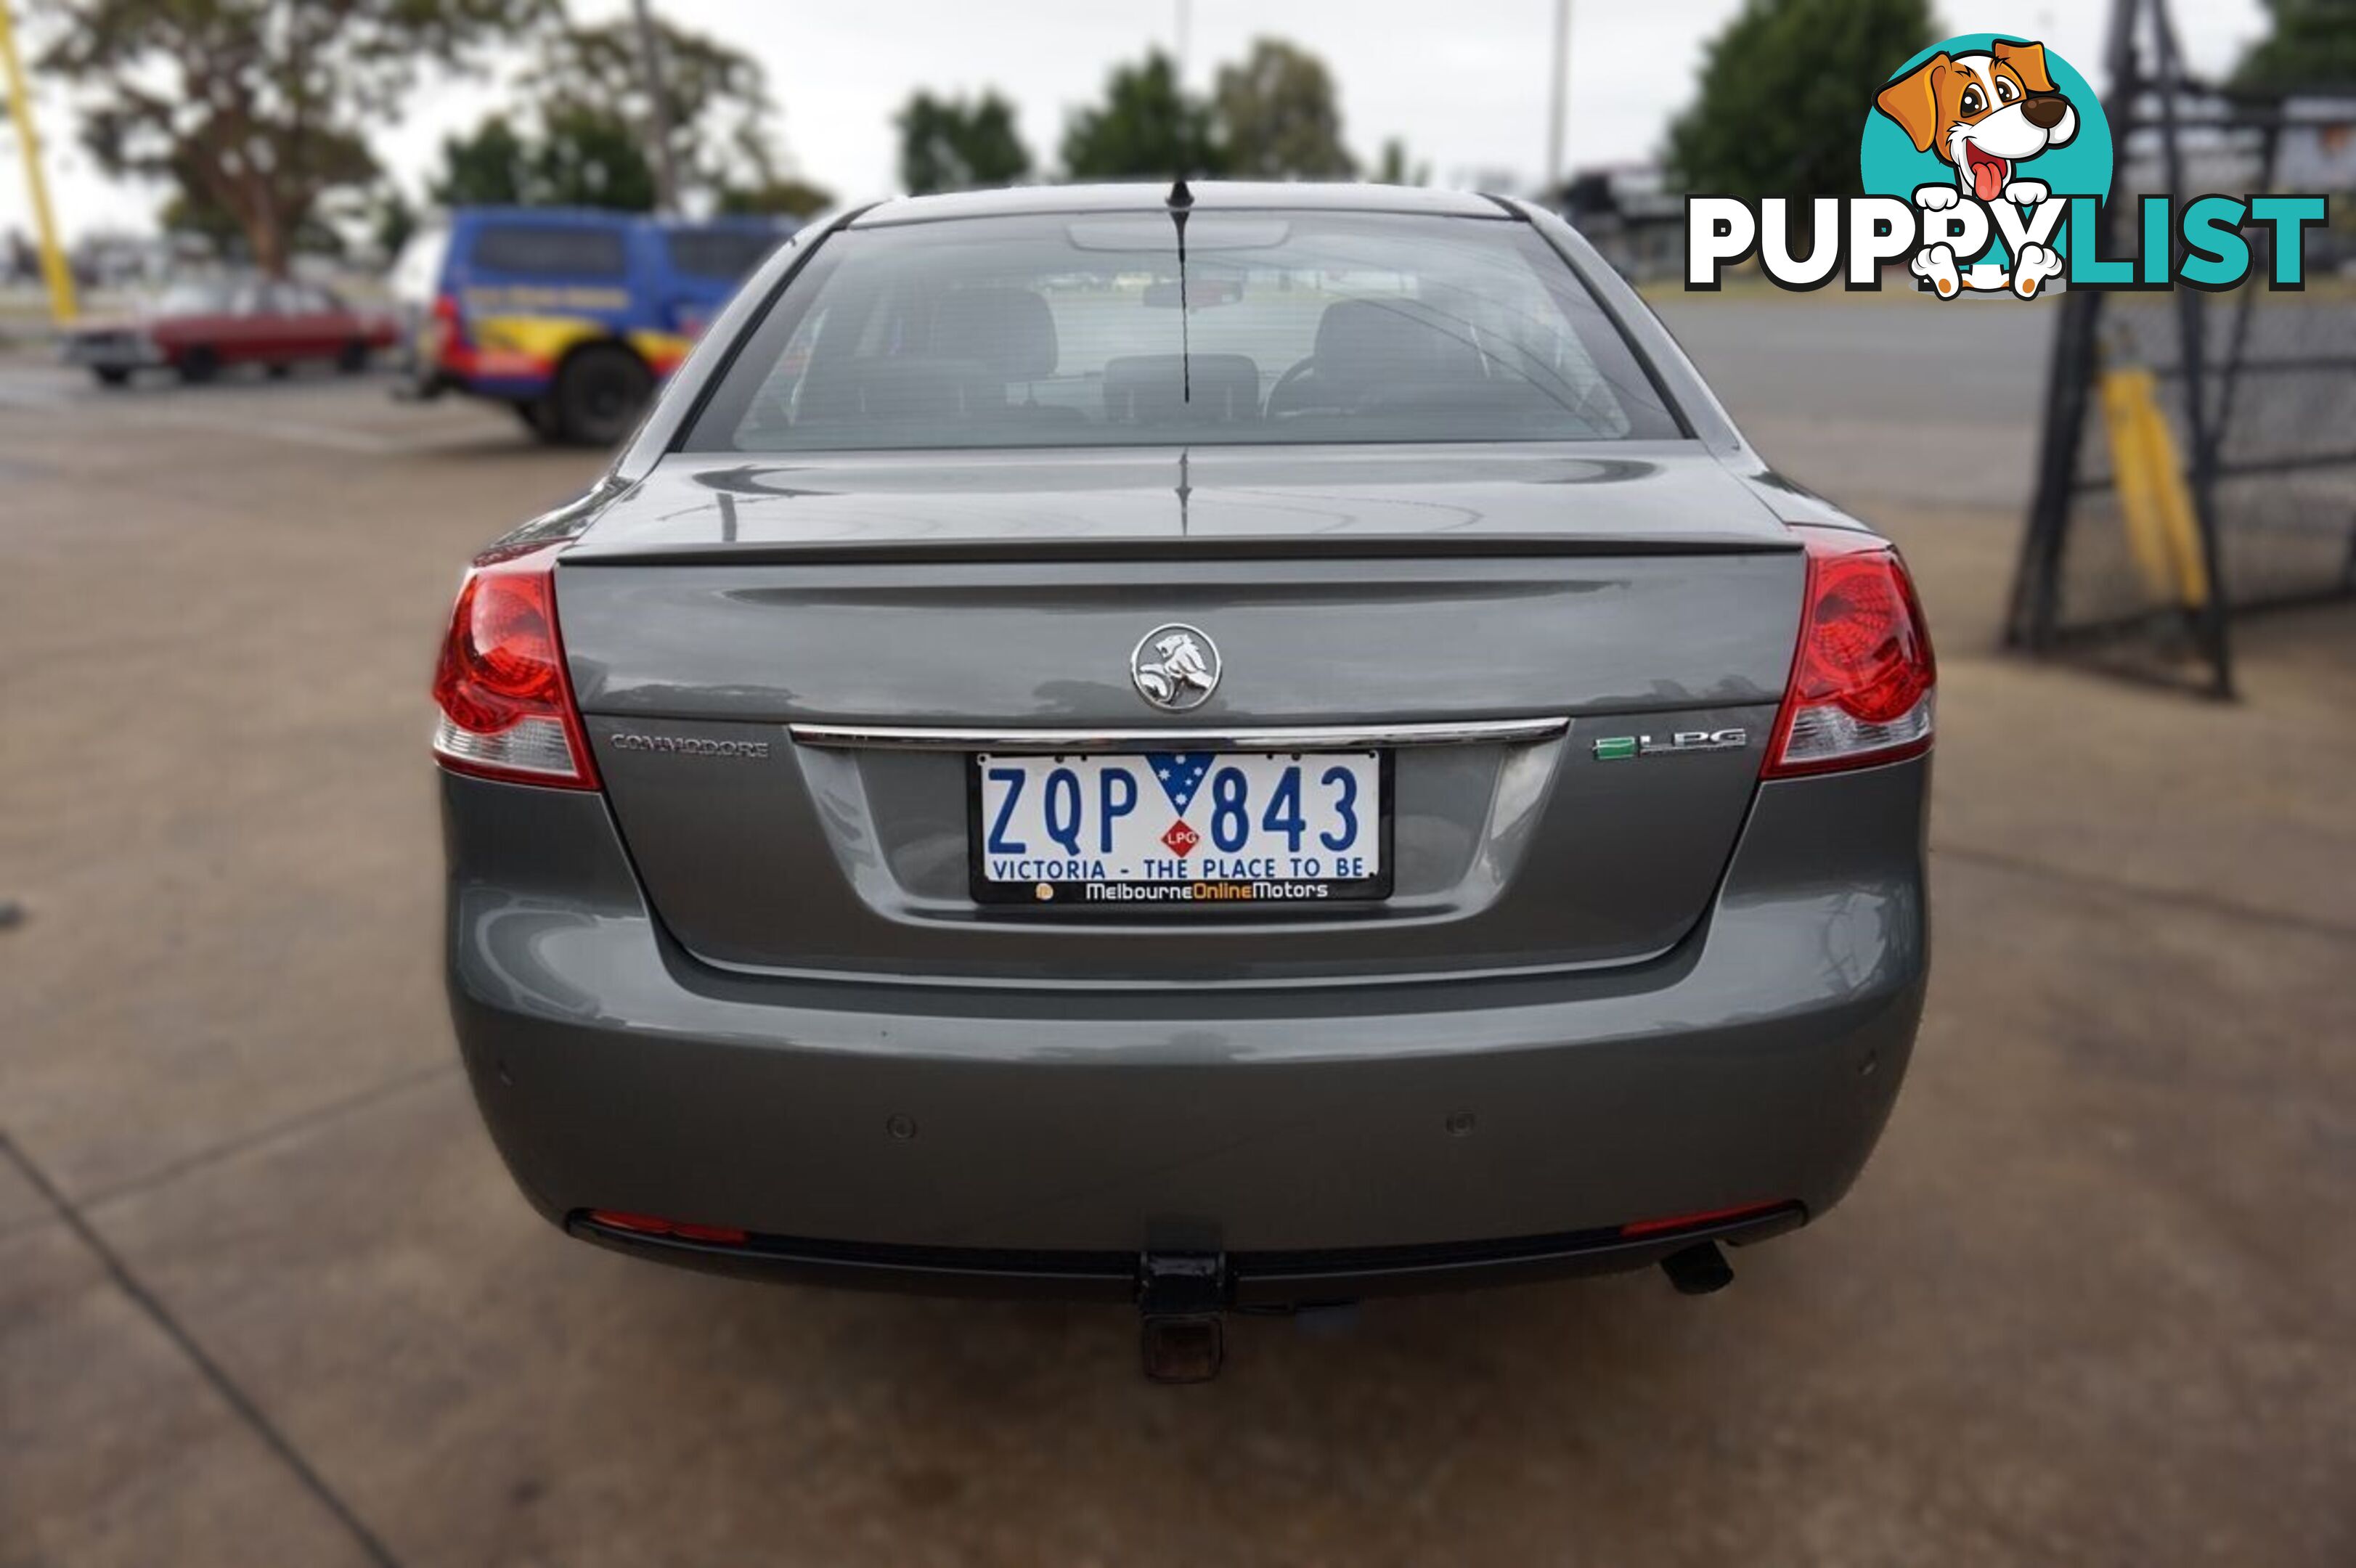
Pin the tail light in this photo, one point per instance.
(1862, 676)
(451, 320)
(506, 706)
(446, 343)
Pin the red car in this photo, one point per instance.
(201, 329)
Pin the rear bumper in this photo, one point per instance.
(1252, 1279)
(1325, 1139)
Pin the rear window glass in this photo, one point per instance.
(195, 299)
(302, 299)
(724, 253)
(1094, 330)
(549, 249)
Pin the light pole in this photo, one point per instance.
(1559, 99)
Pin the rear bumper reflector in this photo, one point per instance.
(1703, 1217)
(681, 1230)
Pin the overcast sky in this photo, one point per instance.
(1463, 81)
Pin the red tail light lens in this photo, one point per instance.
(1703, 1217)
(447, 344)
(506, 706)
(1863, 678)
(653, 1225)
(450, 319)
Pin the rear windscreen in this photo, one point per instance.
(557, 250)
(724, 253)
(1101, 330)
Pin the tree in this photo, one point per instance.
(586, 157)
(716, 99)
(951, 145)
(195, 217)
(789, 195)
(1394, 168)
(1280, 117)
(489, 167)
(183, 213)
(2313, 45)
(576, 157)
(587, 139)
(257, 108)
(1785, 90)
(1149, 126)
(392, 221)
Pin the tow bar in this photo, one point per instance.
(1180, 1299)
(1182, 1304)
(1699, 1270)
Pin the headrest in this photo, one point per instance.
(907, 390)
(1368, 341)
(1156, 389)
(1009, 330)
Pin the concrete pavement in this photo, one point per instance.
(266, 1296)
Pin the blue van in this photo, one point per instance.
(568, 316)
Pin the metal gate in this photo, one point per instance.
(2199, 453)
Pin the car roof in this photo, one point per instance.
(1210, 196)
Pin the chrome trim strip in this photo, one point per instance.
(1270, 738)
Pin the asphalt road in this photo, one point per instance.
(266, 1296)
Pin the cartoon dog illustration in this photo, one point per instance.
(1985, 114)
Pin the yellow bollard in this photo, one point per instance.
(2154, 502)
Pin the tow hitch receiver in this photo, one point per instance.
(1180, 1299)
(1698, 1269)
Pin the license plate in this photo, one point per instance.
(1180, 829)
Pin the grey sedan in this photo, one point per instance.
(1215, 747)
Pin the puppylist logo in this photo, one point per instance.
(1984, 114)
(1986, 161)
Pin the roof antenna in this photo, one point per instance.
(1180, 203)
